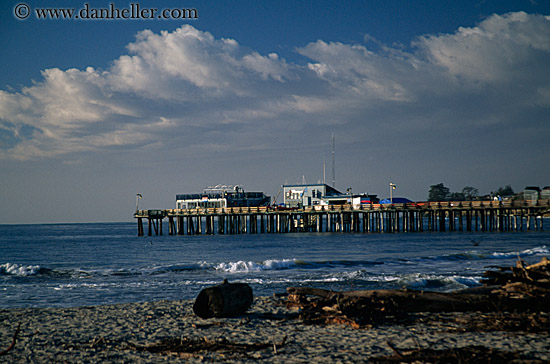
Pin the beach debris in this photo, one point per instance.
(369, 307)
(13, 341)
(183, 345)
(522, 281)
(224, 300)
(468, 354)
(528, 322)
(524, 288)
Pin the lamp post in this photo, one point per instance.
(138, 196)
(392, 187)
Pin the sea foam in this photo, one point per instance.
(249, 266)
(19, 269)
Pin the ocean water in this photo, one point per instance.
(70, 265)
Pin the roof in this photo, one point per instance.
(395, 200)
(330, 191)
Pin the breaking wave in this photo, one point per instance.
(524, 253)
(21, 270)
(243, 266)
(283, 264)
(477, 255)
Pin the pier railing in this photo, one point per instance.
(402, 217)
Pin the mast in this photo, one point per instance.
(324, 171)
(333, 165)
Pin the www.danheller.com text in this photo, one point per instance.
(133, 11)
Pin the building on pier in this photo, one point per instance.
(299, 196)
(531, 193)
(222, 196)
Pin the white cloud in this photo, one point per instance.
(186, 85)
(500, 49)
(187, 62)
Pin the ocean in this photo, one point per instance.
(73, 265)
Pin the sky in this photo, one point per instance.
(93, 111)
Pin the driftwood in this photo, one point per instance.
(365, 308)
(521, 281)
(191, 346)
(224, 300)
(520, 289)
(13, 341)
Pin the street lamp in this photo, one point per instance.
(138, 196)
(392, 187)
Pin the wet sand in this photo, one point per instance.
(122, 333)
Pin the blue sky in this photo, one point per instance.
(417, 93)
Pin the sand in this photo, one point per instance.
(120, 334)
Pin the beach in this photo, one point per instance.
(268, 332)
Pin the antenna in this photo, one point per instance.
(333, 167)
(324, 170)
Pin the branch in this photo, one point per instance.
(14, 340)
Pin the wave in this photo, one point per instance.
(295, 265)
(524, 253)
(438, 282)
(12, 269)
(477, 255)
(242, 266)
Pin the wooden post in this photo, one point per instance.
(155, 223)
(262, 226)
(208, 228)
(179, 223)
(396, 221)
(140, 226)
(190, 227)
(171, 226)
(481, 220)
(442, 220)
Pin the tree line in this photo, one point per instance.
(439, 192)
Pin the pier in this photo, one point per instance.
(366, 218)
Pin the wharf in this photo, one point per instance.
(365, 218)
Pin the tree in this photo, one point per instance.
(438, 192)
(470, 193)
(506, 191)
(456, 196)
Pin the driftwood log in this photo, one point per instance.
(224, 300)
(521, 289)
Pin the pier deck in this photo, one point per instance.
(367, 218)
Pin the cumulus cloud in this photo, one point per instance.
(500, 49)
(189, 85)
